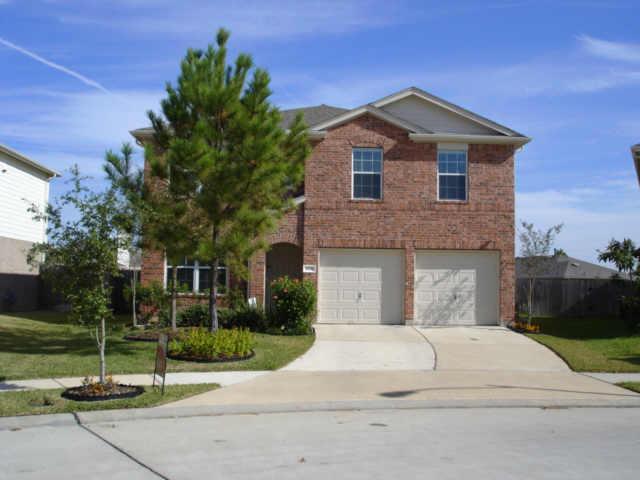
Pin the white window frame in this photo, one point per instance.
(353, 175)
(466, 174)
(196, 275)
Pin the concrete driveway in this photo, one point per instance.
(489, 348)
(365, 347)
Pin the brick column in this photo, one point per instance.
(255, 287)
(409, 276)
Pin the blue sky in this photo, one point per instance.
(75, 76)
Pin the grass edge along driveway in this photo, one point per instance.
(45, 345)
(42, 402)
(591, 344)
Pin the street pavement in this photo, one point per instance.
(479, 443)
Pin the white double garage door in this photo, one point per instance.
(367, 286)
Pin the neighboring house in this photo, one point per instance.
(635, 154)
(566, 286)
(407, 216)
(563, 266)
(22, 182)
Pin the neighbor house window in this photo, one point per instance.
(194, 277)
(367, 173)
(452, 175)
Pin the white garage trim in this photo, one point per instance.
(457, 287)
(361, 286)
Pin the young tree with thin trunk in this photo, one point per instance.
(127, 183)
(81, 256)
(223, 149)
(535, 251)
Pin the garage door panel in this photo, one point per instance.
(456, 287)
(364, 286)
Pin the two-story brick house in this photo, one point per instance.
(407, 216)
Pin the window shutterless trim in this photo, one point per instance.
(466, 175)
(196, 275)
(381, 173)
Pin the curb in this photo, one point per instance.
(159, 413)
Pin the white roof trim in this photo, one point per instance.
(298, 200)
(447, 106)
(32, 163)
(469, 139)
(371, 110)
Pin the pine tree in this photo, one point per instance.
(222, 149)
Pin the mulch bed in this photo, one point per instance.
(87, 394)
(148, 335)
(187, 358)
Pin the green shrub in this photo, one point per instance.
(294, 303)
(244, 316)
(202, 344)
(152, 299)
(194, 316)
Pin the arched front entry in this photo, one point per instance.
(282, 259)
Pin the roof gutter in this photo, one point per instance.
(32, 163)
(461, 138)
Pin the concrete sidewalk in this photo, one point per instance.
(179, 378)
(288, 387)
(614, 377)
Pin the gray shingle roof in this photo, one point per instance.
(312, 115)
(563, 266)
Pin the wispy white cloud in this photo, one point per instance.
(619, 51)
(86, 80)
(591, 214)
(252, 18)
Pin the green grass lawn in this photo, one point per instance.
(634, 386)
(44, 345)
(39, 402)
(591, 344)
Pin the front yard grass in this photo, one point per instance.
(45, 345)
(40, 402)
(633, 386)
(591, 344)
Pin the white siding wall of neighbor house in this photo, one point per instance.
(435, 118)
(21, 185)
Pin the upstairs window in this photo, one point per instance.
(194, 277)
(452, 175)
(367, 173)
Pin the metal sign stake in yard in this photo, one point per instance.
(160, 371)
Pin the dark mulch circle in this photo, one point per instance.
(188, 358)
(85, 394)
(148, 335)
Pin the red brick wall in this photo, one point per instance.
(409, 216)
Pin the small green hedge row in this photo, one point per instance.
(198, 343)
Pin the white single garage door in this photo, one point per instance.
(360, 286)
(456, 288)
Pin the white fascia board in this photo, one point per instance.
(468, 139)
(27, 161)
(447, 106)
(372, 110)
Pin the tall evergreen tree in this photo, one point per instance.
(223, 149)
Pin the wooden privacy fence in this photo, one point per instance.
(573, 297)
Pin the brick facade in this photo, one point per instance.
(408, 217)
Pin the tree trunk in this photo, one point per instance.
(213, 295)
(530, 301)
(174, 297)
(101, 344)
(133, 299)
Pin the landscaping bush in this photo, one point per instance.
(293, 304)
(152, 299)
(198, 343)
(244, 316)
(194, 316)
(630, 311)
